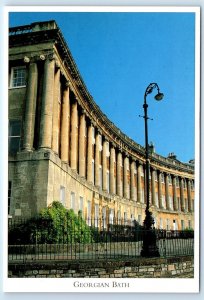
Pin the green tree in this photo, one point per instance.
(54, 224)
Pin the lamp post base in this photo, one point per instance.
(149, 247)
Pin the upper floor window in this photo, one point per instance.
(18, 77)
(14, 136)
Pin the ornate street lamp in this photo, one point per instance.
(149, 248)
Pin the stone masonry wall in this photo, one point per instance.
(140, 268)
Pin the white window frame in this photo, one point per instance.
(139, 219)
(11, 85)
(111, 216)
(104, 217)
(62, 195)
(96, 215)
(89, 212)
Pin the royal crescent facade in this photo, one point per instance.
(62, 147)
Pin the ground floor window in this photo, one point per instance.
(62, 195)
(182, 224)
(175, 226)
(161, 223)
(72, 201)
(104, 217)
(139, 219)
(81, 205)
(89, 213)
(14, 136)
(96, 215)
(111, 216)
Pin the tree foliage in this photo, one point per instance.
(54, 224)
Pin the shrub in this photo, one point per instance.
(54, 224)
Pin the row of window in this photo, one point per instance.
(80, 207)
(73, 201)
(173, 225)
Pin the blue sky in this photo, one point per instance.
(120, 54)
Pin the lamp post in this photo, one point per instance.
(149, 248)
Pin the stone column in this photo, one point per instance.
(55, 123)
(74, 128)
(97, 177)
(45, 139)
(153, 186)
(160, 190)
(182, 195)
(104, 155)
(139, 188)
(189, 195)
(125, 179)
(118, 178)
(175, 203)
(132, 181)
(65, 125)
(167, 191)
(30, 108)
(89, 154)
(112, 164)
(82, 126)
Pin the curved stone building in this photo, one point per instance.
(62, 147)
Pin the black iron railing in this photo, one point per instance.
(93, 239)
